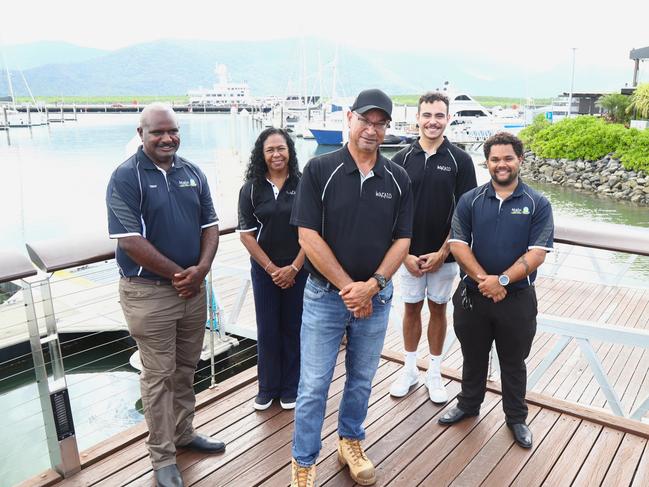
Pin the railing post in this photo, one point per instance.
(53, 393)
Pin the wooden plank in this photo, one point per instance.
(568, 465)
(281, 441)
(597, 464)
(197, 468)
(577, 410)
(44, 479)
(484, 461)
(383, 407)
(399, 439)
(509, 466)
(625, 462)
(419, 468)
(447, 470)
(641, 476)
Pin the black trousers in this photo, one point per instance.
(512, 324)
(279, 318)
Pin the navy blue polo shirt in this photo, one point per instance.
(501, 231)
(169, 209)
(438, 181)
(268, 217)
(358, 220)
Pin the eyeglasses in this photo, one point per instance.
(378, 126)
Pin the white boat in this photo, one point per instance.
(222, 94)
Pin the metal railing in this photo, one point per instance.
(73, 296)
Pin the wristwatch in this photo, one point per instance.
(503, 279)
(381, 280)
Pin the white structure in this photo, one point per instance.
(223, 93)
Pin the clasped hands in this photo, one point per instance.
(357, 297)
(188, 281)
(283, 277)
(418, 266)
(490, 288)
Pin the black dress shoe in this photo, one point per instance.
(169, 476)
(454, 415)
(522, 434)
(205, 444)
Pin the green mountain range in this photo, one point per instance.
(172, 67)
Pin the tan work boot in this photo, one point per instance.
(302, 476)
(361, 470)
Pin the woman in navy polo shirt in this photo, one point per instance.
(265, 203)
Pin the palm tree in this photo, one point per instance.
(640, 101)
(616, 106)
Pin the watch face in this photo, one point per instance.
(503, 280)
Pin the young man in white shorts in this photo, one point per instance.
(440, 173)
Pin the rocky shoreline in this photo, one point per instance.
(606, 177)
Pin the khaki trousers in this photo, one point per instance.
(169, 334)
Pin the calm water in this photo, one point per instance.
(55, 177)
(53, 186)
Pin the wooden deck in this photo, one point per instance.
(572, 445)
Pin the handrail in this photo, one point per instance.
(58, 254)
(15, 266)
(54, 255)
(605, 236)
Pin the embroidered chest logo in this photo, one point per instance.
(443, 168)
(292, 192)
(521, 211)
(187, 184)
(386, 196)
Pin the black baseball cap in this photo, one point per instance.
(372, 99)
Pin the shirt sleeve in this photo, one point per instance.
(403, 226)
(307, 207)
(466, 179)
(247, 220)
(123, 205)
(462, 224)
(542, 228)
(208, 214)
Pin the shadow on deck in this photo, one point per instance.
(573, 445)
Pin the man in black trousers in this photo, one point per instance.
(500, 234)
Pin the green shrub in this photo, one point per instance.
(528, 134)
(585, 137)
(634, 150)
(591, 138)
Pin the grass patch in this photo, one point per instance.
(107, 100)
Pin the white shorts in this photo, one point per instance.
(437, 286)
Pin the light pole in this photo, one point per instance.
(572, 83)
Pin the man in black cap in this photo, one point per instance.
(354, 213)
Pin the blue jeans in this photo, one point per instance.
(324, 321)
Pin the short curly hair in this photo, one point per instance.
(256, 170)
(503, 138)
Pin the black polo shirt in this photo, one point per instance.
(359, 221)
(268, 217)
(438, 181)
(501, 231)
(169, 209)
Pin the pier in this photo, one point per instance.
(588, 393)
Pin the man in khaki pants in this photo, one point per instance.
(161, 212)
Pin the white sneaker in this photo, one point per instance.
(436, 390)
(405, 380)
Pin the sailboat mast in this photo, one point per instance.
(11, 88)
